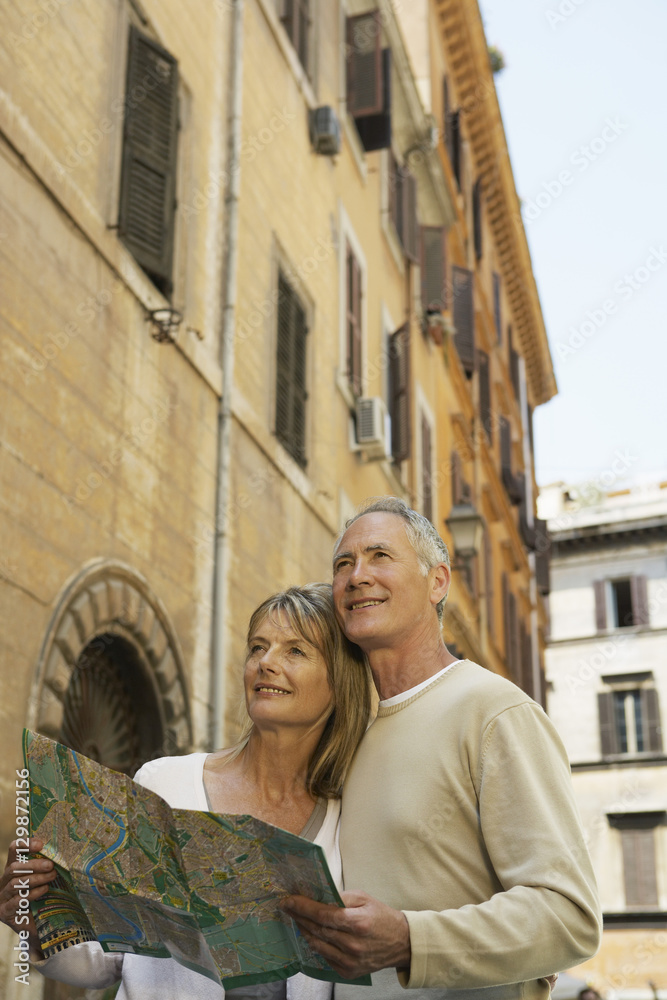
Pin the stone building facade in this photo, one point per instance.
(607, 675)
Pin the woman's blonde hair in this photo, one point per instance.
(309, 610)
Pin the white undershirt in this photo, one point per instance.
(404, 695)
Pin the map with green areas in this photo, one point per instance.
(141, 877)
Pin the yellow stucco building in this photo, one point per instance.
(258, 265)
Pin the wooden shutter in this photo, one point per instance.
(639, 872)
(365, 90)
(354, 292)
(427, 458)
(291, 392)
(477, 217)
(651, 719)
(399, 392)
(147, 203)
(497, 315)
(527, 662)
(375, 129)
(464, 317)
(600, 591)
(510, 628)
(453, 143)
(640, 613)
(542, 558)
(457, 479)
(410, 235)
(433, 268)
(608, 735)
(489, 581)
(485, 393)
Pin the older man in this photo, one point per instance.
(459, 822)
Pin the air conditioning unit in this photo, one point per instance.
(373, 428)
(324, 130)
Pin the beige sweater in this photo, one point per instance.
(459, 811)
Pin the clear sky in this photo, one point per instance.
(583, 99)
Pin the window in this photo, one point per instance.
(463, 311)
(353, 280)
(296, 21)
(147, 208)
(497, 315)
(433, 266)
(629, 715)
(637, 831)
(485, 393)
(399, 393)
(403, 206)
(511, 482)
(514, 366)
(477, 218)
(426, 467)
(369, 81)
(291, 392)
(621, 603)
(452, 132)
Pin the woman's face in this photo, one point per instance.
(285, 677)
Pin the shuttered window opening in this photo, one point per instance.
(477, 218)
(463, 314)
(433, 266)
(527, 662)
(368, 81)
(639, 871)
(427, 458)
(485, 393)
(621, 603)
(147, 204)
(514, 366)
(511, 482)
(489, 581)
(630, 721)
(354, 299)
(296, 21)
(403, 207)
(497, 314)
(511, 631)
(399, 393)
(291, 395)
(453, 143)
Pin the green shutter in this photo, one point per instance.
(433, 268)
(365, 89)
(148, 178)
(291, 392)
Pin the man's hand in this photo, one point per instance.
(365, 936)
(16, 888)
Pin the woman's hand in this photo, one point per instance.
(22, 881)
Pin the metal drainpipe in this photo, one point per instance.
(231, 227)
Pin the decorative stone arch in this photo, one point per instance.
(110, 679)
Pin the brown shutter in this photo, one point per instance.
(497, 316)
(291, 392)
(488, 574)
(454, 144)
(639, 872)
(464, 317)
(446, 112)
(433, 268)
(375, 129)
(365, 91)
(600, 591)
(485, 393)
(527, 662)
(427, 485)
(399, 392)
(410, 222)
(514, 366)
(651, 719)
(514, 657)
(640, 613)
(505, 447)
(507, 622)
(477, 217)
(147, 202)
(608, 736)
(353, 322)
(457, 478)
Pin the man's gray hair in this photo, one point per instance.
(424, 539)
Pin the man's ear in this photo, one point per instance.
(441, 579)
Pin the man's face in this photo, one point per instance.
(381, 594)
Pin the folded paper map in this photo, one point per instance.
(141, 877)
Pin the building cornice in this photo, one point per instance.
(616, 534)
(465, 41)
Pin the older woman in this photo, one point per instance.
(307, 694)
